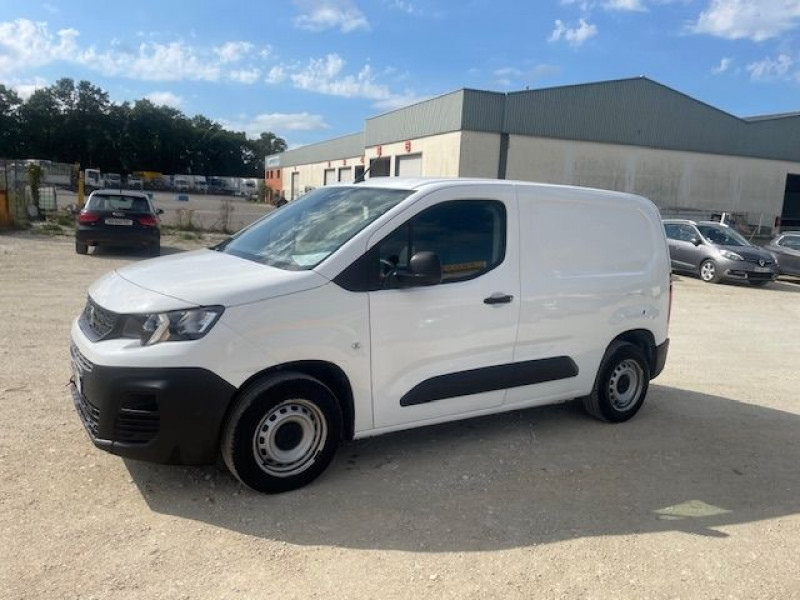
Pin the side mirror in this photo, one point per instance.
(696, 241)
(424, 268)
(159, 211)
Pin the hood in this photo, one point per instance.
(206, 277)
(751, 253)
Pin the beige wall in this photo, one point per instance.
(440, 154)
(480, 154)
(440, 158)
(671, 179)
(313, 176)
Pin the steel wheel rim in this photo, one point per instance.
(707, 271)
(625, 384)
(289, 437)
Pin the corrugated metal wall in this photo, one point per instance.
(637, 112)
(642, 112)
(432, 117)
(342, 147)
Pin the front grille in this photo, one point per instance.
(138, 419)
(135, 426)
(97, 322)
(84, 364)
(88, 412)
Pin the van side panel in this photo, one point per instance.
(593, 265)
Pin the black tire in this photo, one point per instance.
(709, 271)
(154, 249)
(81, 248)
(283, 414)
(621, 384)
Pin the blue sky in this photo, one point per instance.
(311, 70)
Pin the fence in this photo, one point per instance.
(16, 200)
(754, 226)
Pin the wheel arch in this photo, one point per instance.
(643, 339)
(326, 372)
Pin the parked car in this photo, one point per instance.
(118, 218)
(786, 250)
(717, 252)
(362, 309)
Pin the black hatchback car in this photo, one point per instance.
(118, 218)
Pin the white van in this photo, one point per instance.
(368, 308)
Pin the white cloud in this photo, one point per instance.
(165, 99)
(245, 76)
(276, 74)
(402, 5)
(25, 44)
(506, 76)
(324, 75)
(231, 52)
(276, 122)
(723, 66)
(625, 5)
(772, 69)
(173, 61)
(756, 20)
(573, 36)
(321, 15)
(25, 87)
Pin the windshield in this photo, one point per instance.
(722, 236)
(305, 232)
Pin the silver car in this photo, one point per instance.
(786, 249)
(717, 252)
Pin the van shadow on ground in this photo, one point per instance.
(688, 462)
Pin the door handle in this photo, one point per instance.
(498, 299)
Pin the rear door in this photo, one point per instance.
(440, 351)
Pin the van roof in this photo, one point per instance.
(418, 183)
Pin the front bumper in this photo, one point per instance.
(742, 270)
(166, 415)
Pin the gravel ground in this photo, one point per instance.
(697, 497)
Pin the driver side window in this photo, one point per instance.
(468, 236)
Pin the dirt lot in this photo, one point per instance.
(697, 497)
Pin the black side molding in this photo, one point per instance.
(490, 379)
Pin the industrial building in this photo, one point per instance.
(633, 135)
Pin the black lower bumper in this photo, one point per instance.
(660, 359)
(117, 236)
(165, 415)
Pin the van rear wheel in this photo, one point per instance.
(283, 433)
(621, 384)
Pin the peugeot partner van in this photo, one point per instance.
(369, 308)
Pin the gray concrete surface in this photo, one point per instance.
(697, 497)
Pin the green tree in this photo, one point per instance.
(10, 103)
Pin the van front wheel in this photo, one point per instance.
(283, 433)
(621, 384)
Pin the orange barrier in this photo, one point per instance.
(5, 209)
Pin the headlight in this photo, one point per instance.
(730, 255)
(173, 326)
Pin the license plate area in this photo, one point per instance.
(126, 222)
(761, 270)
